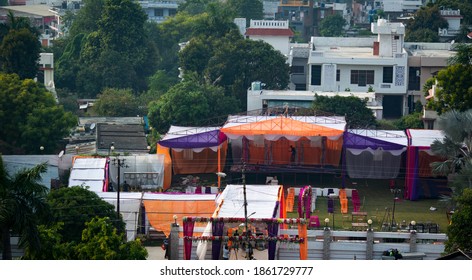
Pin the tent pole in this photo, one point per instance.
(219, 168)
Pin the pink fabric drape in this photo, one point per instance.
(188, 232)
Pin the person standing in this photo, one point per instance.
(293, 154)
(226, 252)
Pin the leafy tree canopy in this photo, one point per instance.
(30, 116)
(190, 103)
(19, 47)
(355, 109)
(248, 9)
(459, 231)
(332, 26)
(22, 207)
(426, 18)
(117, 103)
(74, 206)
(464, 5)
(453, 85)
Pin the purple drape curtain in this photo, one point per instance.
(217, 231)
(276, 208)
(300, 203)
(188, 232)
(307, 202)
(273, 230)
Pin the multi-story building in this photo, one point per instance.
(363, 65)
(299, 13)
(275, 32)
(159, 11)
(453, 18)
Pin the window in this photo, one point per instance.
(316, 75)
(396, 37)
(387, 75)
(414, 78)
(338, 75)
(297, 69)
(362, 77)
(158, 12)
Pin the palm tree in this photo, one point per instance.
(456, 148)
(22, 206)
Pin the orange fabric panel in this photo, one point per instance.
(310, 155)
(281, 126)
(161, 212)
(333, 151)
(290, 199)
(302, 233)
(344, 205)
(280, 150)
(424, 161)
(206, 161)
(256, 153)
(167, 165)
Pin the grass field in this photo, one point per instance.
(376, 197)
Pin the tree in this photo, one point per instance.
(22, 207)
(19, 47)
(453, 85)
(426, 18)
(465, 6)
(190, 103)
(410, 121)
(74, 206)
(248, 9)
(456, 147)
(30, 116)
(332, 26)
(100, 241)
(110, 50)
(459, 231)
(355, 109)
(194, 7)
(116, 103)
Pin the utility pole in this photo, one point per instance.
(119, 163)
(249, 254)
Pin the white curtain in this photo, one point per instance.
(373, 164)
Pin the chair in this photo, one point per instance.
(344, 205)
(198, 189)
(330, 205)
(314, 222)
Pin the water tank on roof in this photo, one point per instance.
(256, 85)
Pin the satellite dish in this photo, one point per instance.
(61, 154)
(92, 126)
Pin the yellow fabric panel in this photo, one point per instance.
(206, 161)
(167, 165)
(281, 126)
(161, 212)
(333, 151)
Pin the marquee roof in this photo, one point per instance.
(276, 127)
(375, 139)
(192, 137)
(424, 137)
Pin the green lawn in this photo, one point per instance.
(375, 196)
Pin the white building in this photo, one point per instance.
(453, 18)
(46, 65)
(399, 6)
(159, 11)
(274, 32)
(363, 65)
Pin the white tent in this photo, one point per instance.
(130, 204)
(146, 171)
(89, 172)
(261, 200)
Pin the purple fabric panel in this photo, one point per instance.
(199, 140)
(356, 141)
(300, 203)
(188, 232)
(330, 205)
(273, 230)
(307, 203)
(217, 230)
(276, 208)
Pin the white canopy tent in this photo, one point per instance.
(89, 172)
(130, 204)
(145, 171)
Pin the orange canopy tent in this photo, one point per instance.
(269, 140)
